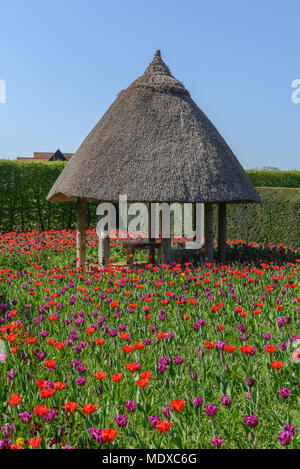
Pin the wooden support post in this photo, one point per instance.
(209, 232)
(130, 254)
(222, 232)
(194, 220)
(117, 217)
(151, 256)
(165, 250)
(81, 227)
(103, 250)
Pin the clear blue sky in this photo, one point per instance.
(64, 62)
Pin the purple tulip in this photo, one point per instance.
(96, 434)
(220, 344)
(50, 415)
(211, 410)
(5, 444)
(197, 401)
(250, 382)
(167, 412)
(225, 400)
(154, 419)
(178, 360)
(289, 428)
(81, 380)
(216, 441)
(11, 373)
(285, 438)
(25, 417)
(251, 420)
(130, 406)
(7, 430)
(121, 420)
(284, 393)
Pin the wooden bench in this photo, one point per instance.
(131, 246)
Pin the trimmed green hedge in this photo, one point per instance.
(274, 178)
(25, 185)
(23, 205)
(276, 220)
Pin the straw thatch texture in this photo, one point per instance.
(154, 144)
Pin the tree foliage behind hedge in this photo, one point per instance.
(25, 185)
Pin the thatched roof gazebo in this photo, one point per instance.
(155, 145)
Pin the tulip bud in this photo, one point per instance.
(100, 389)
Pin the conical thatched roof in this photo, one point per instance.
(155, 145)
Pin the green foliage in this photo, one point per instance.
(276, 220)
(23, 204)
(25, 185)
(274, 178)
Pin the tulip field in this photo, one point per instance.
(170, 356)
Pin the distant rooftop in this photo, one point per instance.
(42, 156)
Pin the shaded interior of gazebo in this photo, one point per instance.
(166, 254)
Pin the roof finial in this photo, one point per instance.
(158, 66)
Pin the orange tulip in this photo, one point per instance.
(109, 435)
(178, 404)
(35, 443)
(116, 377)
(163, 426)
(70, 406)
(100, 374)
(89, 408)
